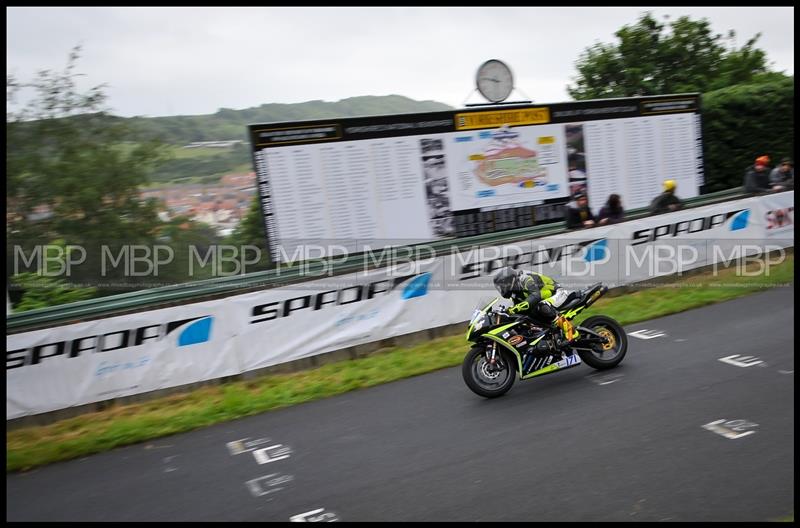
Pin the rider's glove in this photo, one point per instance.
(521, 307)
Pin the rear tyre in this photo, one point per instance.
(609, 355)
(487, 380)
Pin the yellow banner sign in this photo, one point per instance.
(496, 118)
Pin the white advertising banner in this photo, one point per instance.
(777, 218)
(315, 317)
(109, 358)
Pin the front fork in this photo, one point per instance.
(491, 354)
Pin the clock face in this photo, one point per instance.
(494, 80)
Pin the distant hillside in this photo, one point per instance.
(207, 165)
(229, 124)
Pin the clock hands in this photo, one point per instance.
(496, 72)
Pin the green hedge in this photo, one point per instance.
(742, 122)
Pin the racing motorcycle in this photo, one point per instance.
(508, 345)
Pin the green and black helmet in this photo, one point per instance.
(507, 281)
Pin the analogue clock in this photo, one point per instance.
(494, 80)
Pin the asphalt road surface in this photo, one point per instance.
(672, 434)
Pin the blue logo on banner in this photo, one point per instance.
(197, 332)
(485, 135)
(486, 193)
(740, 220)
(551, 187)
(418, 286)
(596, 251)
(462, 139)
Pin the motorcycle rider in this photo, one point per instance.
(536, 296)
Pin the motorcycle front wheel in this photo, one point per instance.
(484, 379)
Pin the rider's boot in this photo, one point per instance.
(568, 335)
(567, 328)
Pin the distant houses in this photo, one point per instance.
(222, 206)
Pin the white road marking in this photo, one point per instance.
(272, 453)
(742, 361)
(730, 428)
(786, 371)
(237, 447)
(268, 484)
(647, 334)
(169, 468)
(604, 379)
(301, 517)
(314, 516)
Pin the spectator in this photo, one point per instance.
(612, 211)
(756, 179)
(575, 174)
(577, 187)
(666, 202)
(578, 213)
(577, 179)
(782, 177)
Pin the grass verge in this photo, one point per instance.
(123, 425)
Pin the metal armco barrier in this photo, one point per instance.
(222, 286)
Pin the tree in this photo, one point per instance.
(744, 121)
(65, 153)
(251, 232)
(72, 171)
(648, 60)
(191, 242)
(40, 289)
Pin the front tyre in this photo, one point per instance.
(484, 379)
(608, 355)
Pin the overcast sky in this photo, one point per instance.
(195, 60)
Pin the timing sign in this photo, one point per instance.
(368, 183)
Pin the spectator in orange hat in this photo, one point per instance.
(756, 179)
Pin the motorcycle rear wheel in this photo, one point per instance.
(609, 355)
